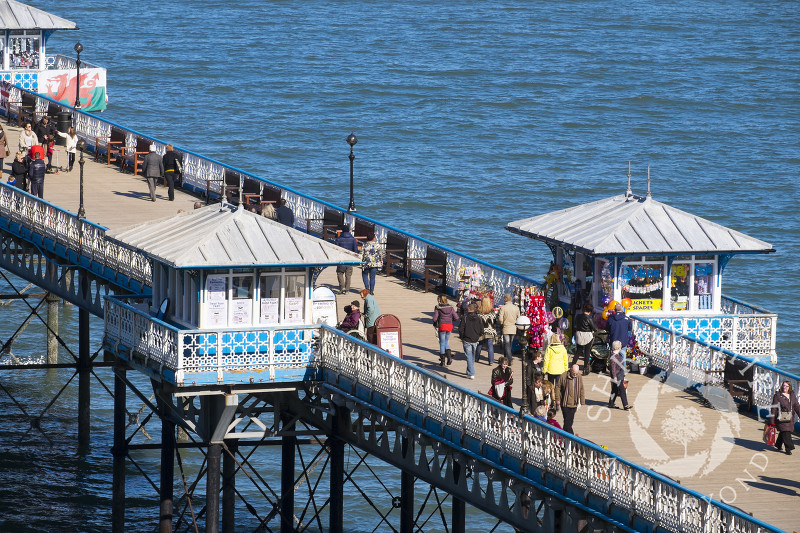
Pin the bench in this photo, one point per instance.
(331, 221)
(133, 156)
(396, 254)
(434, 272)
(230, 187)
(113, 145)
(251, 193)
(363, 229)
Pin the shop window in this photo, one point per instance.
(679, 286)
(604, 285)
(270, 299)
(241, 300)
(644, 285)
(295, 299)
(704, 286)
(23, 49)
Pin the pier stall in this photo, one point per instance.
(231, 297)
(668, 263)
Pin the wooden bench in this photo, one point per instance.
(230, 187)
(396, 254)
(331, 220)
(133, 156)
(434, 272)
(113, 145)
(251, 193)
(363, 229)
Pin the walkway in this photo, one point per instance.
(694, 440)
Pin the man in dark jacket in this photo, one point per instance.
(46, 133)
(152, 169)
(348, 242)
(619, 327)
(36, 173)
(284, 212)
(470, 330)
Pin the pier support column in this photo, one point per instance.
(84, 375)
(459, 508)
(288, 444)
(52, 328)
(341, 424)
(406, 495)
(229, 487)
(167, 472)
(212, 487)
(119, 451)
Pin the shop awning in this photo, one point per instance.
(229, 237)
(635, 225)
(18, 16)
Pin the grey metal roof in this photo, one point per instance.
(18, 16)
(635, 225)
(208, 237)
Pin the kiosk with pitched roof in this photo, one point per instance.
(668, 262)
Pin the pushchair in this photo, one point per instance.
(598, 360)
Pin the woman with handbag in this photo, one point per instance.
(784, 407)
(502, 378)
(444, 316)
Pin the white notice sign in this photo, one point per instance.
(324, 312)
(390, 341)
(294, 310)
(217, 314)
(215, 288)
(269, 311)
(241, 313)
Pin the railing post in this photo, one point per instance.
(735, 334)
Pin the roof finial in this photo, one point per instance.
(629, 191)
(648, 182)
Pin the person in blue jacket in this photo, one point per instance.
(619, 328)
(348, 242)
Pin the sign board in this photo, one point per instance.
(647, 304)
(390, 341)
(323, 307)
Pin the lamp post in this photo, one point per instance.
(80, 146)
(351, 140)
(523, 323)
(78, 50)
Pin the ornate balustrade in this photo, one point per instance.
(529, 447)
(61, 231)
(207, 356)
(701, 362)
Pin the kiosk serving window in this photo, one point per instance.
(23, 49)
(643, 283)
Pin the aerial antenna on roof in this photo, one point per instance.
(648, 182)
(629, 191)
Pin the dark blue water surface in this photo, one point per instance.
(473, 114)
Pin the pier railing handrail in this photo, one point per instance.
(58, 227)
(702, 362)
(649, 494)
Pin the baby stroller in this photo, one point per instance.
(598, 360)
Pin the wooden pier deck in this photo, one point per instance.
(711, 450)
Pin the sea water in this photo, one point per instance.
(468, 115)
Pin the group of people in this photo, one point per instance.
(167, 167)
(35, 142)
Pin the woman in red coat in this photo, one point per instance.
(784, 405)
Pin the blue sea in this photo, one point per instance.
(471, 114)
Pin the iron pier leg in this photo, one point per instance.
(84, 384)
(406, 495)
(167, 472)
(119, 451)
(229, 487)
(288, 443)
(52, 328)
(459, 523)
(340, 424)
(212, 488)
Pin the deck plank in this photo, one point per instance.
(725, 457)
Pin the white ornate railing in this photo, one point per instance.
(659, 500)
(701, 362)
(59, 62)
(193, 356)
(58, 227)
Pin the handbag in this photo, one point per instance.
(770, 434)
(625, 383)
(784, 416)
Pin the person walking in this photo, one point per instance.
(470, 330)
(507, 316)
(371, 260)
(444, 317)
(569, 395)
(152, 169)
(71, 139)
(540, 393)
(584, 337)
(619, 327)
(371, 314)
(36, 173)
(172, 170)
(346, 240)
(502, 378)
(618, 377)
(3, 149)
(556, 358)
(784, 407)
(488, 316)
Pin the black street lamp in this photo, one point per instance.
(351, 140)
(78, 50)
(524, 324)
(80, 146)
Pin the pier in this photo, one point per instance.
(498, 463)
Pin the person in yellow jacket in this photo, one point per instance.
(556, 359)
